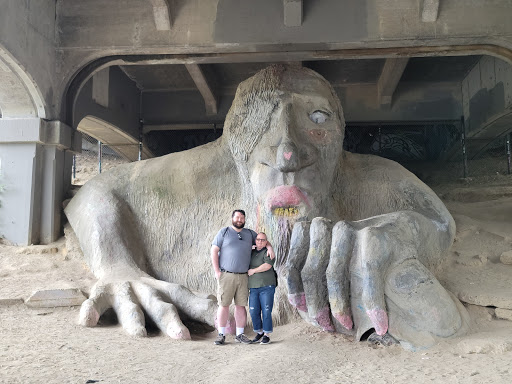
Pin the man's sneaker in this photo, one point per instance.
(265, 340)
(241, 338)
(258, 337)
(220, 339)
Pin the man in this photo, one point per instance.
(262, 287)
(231, 255)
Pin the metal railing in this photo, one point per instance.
(95, 158)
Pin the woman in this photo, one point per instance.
(262, 286)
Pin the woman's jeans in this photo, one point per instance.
(261, 302)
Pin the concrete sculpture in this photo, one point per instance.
(357, 236)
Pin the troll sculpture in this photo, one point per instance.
(357, 236)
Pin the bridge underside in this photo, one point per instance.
(164, 73)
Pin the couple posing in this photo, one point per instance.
(239, 268)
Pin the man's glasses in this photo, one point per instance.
(239, 236)
(261, 239)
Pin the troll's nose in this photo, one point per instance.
(288, 159)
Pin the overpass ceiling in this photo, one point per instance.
(195, 98)
(160, 77)
(439, 69)
(226, 77)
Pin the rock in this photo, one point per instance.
(484, 345)
(52, 250)
(484, 299)
(473, 195)
(480, 314)
(56, 298)
(486, 285)
(8, 302)
(474, 261)
(505, 314)
(506, 258)
(37, 249)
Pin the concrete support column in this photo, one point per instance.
(34, 178)
(52, 192)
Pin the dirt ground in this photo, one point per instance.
(46, 345)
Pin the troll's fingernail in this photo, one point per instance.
(344, 320)
(323, 318)
(379, 319)
(298, 300)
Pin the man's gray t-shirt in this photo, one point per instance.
(235, 254)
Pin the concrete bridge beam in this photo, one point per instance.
(35, 172)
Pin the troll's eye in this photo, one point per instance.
(319, 117)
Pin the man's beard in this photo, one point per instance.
(239, 226)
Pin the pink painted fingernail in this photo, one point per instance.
(178, 333)
(344, 320)
(379, 319)
(287, 155)
(323, 318)
(298, 300)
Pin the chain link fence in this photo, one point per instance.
(403, 142)
(421, 147)
(493, 161)
(431, 150)
(94, 159)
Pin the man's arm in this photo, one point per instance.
(262, 268)
(270, 251)
(214, 253)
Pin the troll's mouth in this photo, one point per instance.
(285, 212)
(286, 200)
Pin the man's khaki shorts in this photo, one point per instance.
(233, 286)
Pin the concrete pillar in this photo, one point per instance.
(34, 178)
(51, 193)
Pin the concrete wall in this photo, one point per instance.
(118, 103)
(262, 20)
(34, 176)
(326, 22)
(27, 33)
(486, 106)
(411, 101)
(52, 54)
(53, 42)
(20, 209)
(161, 107)
(486, 93)
(247, 30)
